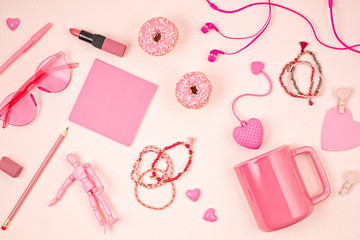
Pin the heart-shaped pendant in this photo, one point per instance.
(250, 134)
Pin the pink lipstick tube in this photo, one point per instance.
(100, 41)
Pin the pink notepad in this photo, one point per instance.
(112, 102)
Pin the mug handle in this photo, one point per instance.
(320, 170)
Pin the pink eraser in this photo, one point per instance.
(10, 167)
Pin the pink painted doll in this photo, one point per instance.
(92, 186)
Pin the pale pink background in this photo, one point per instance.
(286, 120)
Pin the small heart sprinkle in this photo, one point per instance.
(13, 23)
(210, 215)
(193, 194)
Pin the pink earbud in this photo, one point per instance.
(208, 26)
(213, 54)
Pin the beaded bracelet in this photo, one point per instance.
(290, 68)
(165, 178)
(166, 174)
(292, 82)
(146, 205)
(135, 174)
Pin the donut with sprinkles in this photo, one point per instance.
(158, 36)
(193, 90)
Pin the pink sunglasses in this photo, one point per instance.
(52, 75)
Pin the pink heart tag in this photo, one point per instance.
(257, 67)
(250, 134)
(13, 23)
(210, 215)
(193, 194)
(339, 132)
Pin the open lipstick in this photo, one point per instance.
(100, 41)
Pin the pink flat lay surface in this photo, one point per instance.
(285, 120)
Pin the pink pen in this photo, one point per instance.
(33, 40)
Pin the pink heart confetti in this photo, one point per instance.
(13, 23)
(210, 215)
(193, 194)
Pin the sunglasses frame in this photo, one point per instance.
(41, 72)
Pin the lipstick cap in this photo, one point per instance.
(113, 47)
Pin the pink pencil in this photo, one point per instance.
(34, 179)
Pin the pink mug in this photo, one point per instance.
(275, 189)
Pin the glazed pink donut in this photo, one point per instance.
(193, 90)
(158, 36)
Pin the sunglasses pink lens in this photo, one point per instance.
(58, 75)
(21, 113)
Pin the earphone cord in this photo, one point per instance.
(337, 36)
(251, 94)
(259, 32)
(280, 6)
